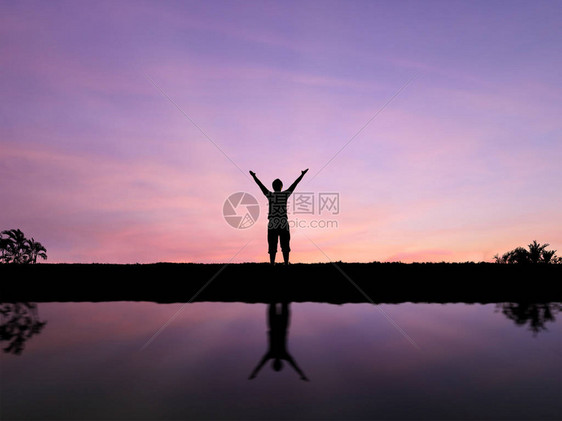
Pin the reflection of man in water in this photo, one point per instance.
(278, 226)
(278, 319)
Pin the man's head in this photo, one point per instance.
(277, 364)
(277, 184)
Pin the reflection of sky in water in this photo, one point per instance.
(472, 362)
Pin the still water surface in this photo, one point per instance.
(142, 360)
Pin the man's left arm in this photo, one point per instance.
(297, 181)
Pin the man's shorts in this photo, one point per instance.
(284, 237)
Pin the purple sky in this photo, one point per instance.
(124, 126)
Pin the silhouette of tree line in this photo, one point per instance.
(15, 248)
(537, 253)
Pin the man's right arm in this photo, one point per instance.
(296, 367)
(259, 183)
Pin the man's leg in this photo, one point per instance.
(285, 238)
(272, 244)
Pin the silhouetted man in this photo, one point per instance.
(278, 226)
(278, 325)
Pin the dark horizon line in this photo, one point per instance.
(261, 282)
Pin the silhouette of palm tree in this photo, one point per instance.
(34, 250)
(537, 253)
(536, 315)
(18, 323)
(15, 248)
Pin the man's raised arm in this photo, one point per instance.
(296, 367)
(259, 366)
(297, 181)
(259, 183)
